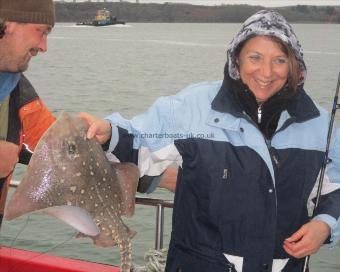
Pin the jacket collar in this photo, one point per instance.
(8, 81)
(301, 108)
(24, 92)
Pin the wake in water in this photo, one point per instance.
(88, 26)
(321, 52)
(11, 265)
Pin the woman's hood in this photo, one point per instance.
(269, 23)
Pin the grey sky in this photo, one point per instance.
(265, 3)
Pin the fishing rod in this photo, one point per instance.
(326, 160)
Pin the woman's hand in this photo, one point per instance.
(99, 128)
(308, 239)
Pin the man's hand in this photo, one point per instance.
(99, 128)
(307, 240)
(9, 156)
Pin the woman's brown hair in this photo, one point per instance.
(294, 75)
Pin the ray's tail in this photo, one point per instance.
(126, 256)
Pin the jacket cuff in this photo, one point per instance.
(334, 226)
(114, 137)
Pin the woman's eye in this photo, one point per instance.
(255, 58)
(280, 61)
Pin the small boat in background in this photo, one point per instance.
(103, 18)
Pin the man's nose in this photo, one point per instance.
(43, 44)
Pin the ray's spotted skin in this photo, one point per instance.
(69, 177)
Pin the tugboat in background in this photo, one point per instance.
(102, 18)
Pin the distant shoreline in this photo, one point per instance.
(186, 13)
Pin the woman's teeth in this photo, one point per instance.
(263, 83)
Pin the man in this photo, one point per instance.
(24, 27)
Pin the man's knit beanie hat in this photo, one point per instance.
(28, 11)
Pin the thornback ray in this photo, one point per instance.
(70, 177)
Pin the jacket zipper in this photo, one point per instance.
(268, 144)
(267, 141)
(259, 114)
(272, 155)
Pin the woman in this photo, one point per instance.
(249, 150)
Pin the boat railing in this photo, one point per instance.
(160, 205)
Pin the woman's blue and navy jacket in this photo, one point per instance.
(237, 193)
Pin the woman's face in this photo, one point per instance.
(263, 67)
